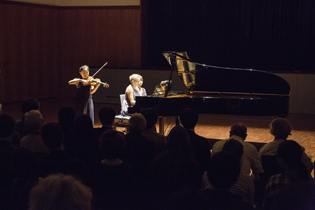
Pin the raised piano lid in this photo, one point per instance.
(206, 79)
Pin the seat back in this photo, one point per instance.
(122, 98)
(122, 121)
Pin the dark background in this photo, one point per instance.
(269, 35)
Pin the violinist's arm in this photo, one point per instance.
(75, 81)
(93, 89)
(129, 93)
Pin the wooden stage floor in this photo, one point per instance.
(210, 125)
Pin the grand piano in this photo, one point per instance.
(218, 90)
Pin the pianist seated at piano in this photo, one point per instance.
(132, 91)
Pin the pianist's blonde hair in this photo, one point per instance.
(135, 77)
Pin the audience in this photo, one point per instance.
(33, 121)
(175, 169)
(289, 156)
(139, 151)
(58, 161)
(25, 166)
(107, 118)
(60, 192)
(200, 146)
(150, 133)
(244, 185)
(280, 128)
(223, 173)
(143, 169)
(250, 160)
(66, 118)
(299, 196)
(7, 150)
(28, 104)
(113, 180)
(84, 144)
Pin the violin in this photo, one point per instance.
(93, 81)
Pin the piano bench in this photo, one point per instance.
(122, 121)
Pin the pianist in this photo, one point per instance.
(132, 91)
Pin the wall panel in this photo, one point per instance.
(94, 36)
(42, 47)
(29, 52)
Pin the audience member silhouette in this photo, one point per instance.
(175, 169)
(7, 124)
(244, 185)
(200, 146)
(140, 152)
(107, 118)
(28, 104)
(280, 128)
(299, 196)
(250, 159)
(84, 144)
(113, 180)
(223, 172)
(289, 156)
(66, 118)
(60, 192)
(150, 133)
(26, 168)
(33, 122)
(121, 167)
(58, 161)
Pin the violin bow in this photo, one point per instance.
(99, 69)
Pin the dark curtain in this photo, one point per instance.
(270, 35)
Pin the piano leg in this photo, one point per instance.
(161, 121)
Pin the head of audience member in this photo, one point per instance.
(30, 104)
(280, 128)
(189, 118)
(137, 122)
(52, 136)
(234, 147)
(66, 117)
(7, 126)
(239, 129)
(178, 140)
(289, 156)
(112, 144)
(0, 109)
(107, 116)
(60, 192)
(33, 121)
(223, 170)
(151, 117)
(83, 125)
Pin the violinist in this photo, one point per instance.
(86, 86)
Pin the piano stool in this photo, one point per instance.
(122, 121)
